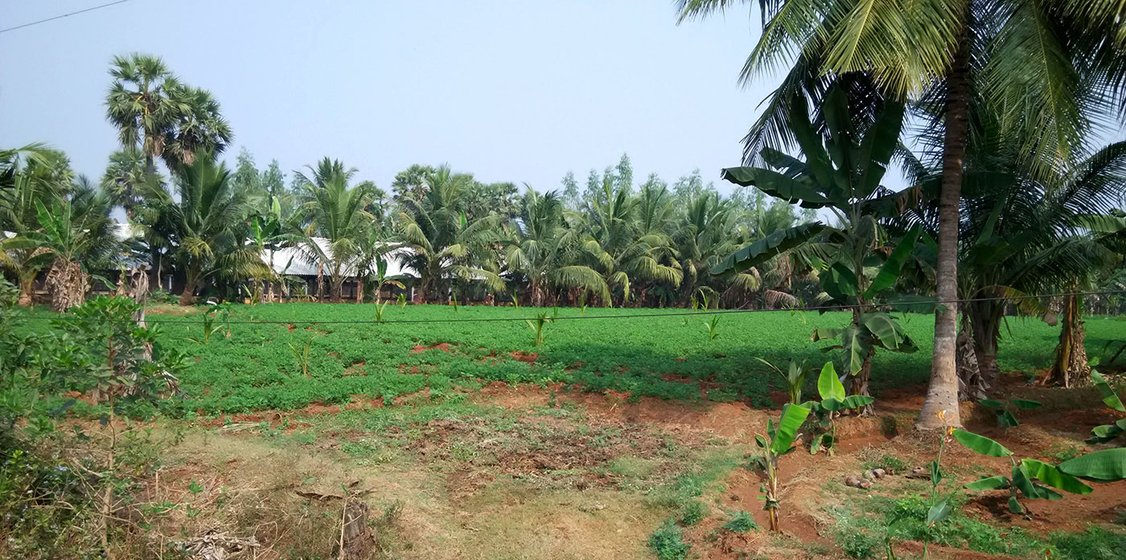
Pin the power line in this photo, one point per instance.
(29, 24)
(683, 313)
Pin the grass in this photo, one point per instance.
(667, 543)
(442, 468)
(254, 369)
(740, 522)
(863, 528)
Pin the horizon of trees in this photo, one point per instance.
(610, 240)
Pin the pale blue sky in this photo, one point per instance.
(511, 91)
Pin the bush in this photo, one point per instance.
(668, 543)
(740, 522)
(693, 512)
(1092, 544)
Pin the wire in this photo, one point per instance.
(29, 24)
(684, 313)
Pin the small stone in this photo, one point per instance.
(879, 473)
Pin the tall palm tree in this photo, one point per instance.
(617, 244)
(1049, 68)
(339, 214)
(544, 249)
(1024, 234)
(702, 238)
(445, 246)
(204, 226)
(141, 105)
(159, 116)
(76, 231)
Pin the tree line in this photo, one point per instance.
(1030, 217)
(610, 241)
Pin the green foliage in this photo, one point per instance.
(795, 376)
(255, 368)
(537, 326)
(865, 528)
(833, 402)
(711, 327)
(1034, 479)
(1107, 432)
(1106, 465)
(740, 522)
(693, 512)
(301, 354)
(1093, 544)
(1004, 410)
(667, 543)
(779, 441)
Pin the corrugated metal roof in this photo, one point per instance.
(298, 261)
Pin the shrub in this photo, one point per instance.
(668, 543)
(693, 512)
(740, 522)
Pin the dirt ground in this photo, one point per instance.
(539, 472)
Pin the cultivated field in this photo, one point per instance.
(616, 438)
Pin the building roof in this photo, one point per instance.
(299, 261)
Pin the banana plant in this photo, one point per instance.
(1004, 410)
(833, 401)
(779, 441)
(847, 147)
(794, 375)
(1107, 432)
(1035, 479)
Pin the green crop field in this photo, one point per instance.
(644, 352)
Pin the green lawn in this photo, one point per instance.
(652, 355)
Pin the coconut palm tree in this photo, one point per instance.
(445, 246)
(702, 238)
(1049, 68)
(338, 213)
(623, 239)
(32, 176)
(76, 232)
(543, 250)
(204, 226)
(125, 179)
(1024, 234)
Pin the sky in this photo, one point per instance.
(507, 90)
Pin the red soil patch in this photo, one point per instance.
(735, 420)
(291, 418)
(1059, 424)
(526, 357)
(442, 346)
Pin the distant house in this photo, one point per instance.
(297, 263)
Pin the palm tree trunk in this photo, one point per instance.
(941, 407)
(537, 294)
(337, 289)
(191, 281)
(27, 289)
(320, 282)
(986, 330)
(67, 283)
(1071, 367)
(187, 297)
(359, 290)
